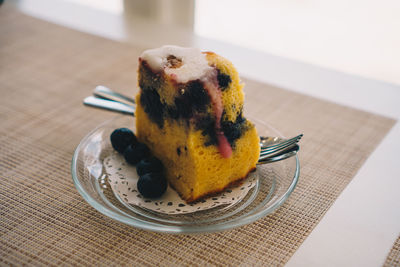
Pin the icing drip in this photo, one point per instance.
(211, 85)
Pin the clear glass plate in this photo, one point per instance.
(275, 183)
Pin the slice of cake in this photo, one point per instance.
(190, 114)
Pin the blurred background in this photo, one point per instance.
(359, 37)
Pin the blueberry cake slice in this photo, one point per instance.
(190, 114)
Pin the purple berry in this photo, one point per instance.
(149, 165)
(152, 185)
(121, 138)
(135, 153)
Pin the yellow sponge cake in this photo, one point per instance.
(190, 114)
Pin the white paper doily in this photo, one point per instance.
(123, 179)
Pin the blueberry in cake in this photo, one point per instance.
(190, 115)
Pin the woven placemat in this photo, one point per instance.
(46, 71)
(393, 258)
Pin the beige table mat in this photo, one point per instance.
(46, 71)
(393, 258)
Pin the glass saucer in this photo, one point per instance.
(275, 183)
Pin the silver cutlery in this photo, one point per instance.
(106, 93)
(284, 154)
(109, 105)
(272, 148)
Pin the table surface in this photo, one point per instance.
(357, 230)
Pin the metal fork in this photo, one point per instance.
(274, 145)
(272, 148)
(283, 154)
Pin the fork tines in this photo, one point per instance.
(280, 146)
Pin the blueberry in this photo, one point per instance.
(149, 165)
(135, 153)
(151, 102)
(121, 138)
(223, 80)
(152, 185)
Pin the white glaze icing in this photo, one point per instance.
(194, 63)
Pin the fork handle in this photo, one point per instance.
(106, 93)
(109, 105)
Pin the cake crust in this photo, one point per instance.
(220, 190)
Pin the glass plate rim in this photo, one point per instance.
(149, 226)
